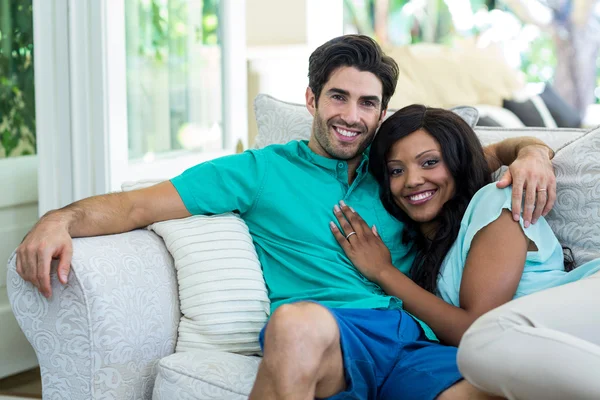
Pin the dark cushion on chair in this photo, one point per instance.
(488, 121)
(563, 113)
(526, 111)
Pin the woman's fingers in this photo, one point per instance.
(374, 229)
(346, 227)
(341, 239)
(358, 224)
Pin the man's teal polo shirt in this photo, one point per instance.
(285, 194)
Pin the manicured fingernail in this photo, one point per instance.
(342, 203)
(336, 208)
(332, 225)
(516, 217)
(63, 277)
(351, 209)
(526, 224)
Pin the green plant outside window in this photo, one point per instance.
(17, 95)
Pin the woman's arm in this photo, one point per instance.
(491, 274)
(490, 279)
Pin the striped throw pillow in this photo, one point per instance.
(222, 294)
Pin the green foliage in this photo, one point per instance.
(539, 62)
(166, 21)
(17, 96)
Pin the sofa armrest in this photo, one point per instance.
(101, 334)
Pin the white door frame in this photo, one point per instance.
(52, 99)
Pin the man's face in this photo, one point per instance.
(348, 113)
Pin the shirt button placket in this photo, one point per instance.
(342, 176)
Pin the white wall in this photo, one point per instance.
(280, 35)
(18, 204)
(275, 22)
(18, 213)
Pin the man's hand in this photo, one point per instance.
(106, 214)
(362, 244)
(533, 173)
(48, 240)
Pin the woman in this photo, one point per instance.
(471, 257)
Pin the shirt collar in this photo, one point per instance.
(330, 163)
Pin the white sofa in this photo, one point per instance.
(110, 333)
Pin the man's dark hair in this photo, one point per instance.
(358, 51)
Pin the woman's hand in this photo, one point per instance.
(362, 244)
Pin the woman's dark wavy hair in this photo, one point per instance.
(464, 157)
(358, 51)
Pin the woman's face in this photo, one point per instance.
(419, 179)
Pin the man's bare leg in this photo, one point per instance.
(302, 355)
(463, 390)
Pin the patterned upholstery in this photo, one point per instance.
(203, 374)
(574, 219)
(100, 336)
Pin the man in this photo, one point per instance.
(332, 332)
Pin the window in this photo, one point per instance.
(142, 90)
(174, 83)
(17, 98)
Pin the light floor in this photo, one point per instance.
(26, 385)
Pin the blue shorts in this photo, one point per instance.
(387, 356)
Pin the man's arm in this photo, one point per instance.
(99, 215)
(530, 169)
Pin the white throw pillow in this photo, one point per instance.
(222, 292)
(575, 218)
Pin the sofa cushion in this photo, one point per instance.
(222, 294)
(280, 122)
(205, 375)
(442, 76)
(553, 137)
(575, 216)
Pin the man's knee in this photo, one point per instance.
(302, 344)
(302, 327)
(465, 390)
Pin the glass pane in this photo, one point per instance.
(17, 98)
(173, 76)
